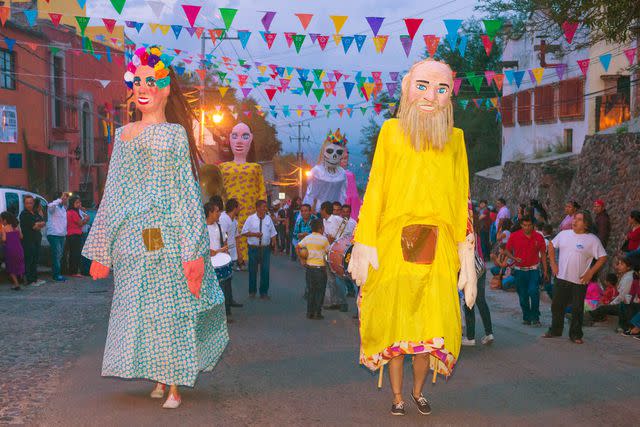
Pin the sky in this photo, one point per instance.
(249, 15)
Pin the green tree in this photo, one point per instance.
(607, 20)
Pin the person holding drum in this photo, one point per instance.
(219, 250)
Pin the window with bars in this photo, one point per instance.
(7, 69)
(544, 100)
(524, 107)
(571, 99)
(507, 110)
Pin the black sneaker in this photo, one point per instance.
(423, 405)
(398, 409)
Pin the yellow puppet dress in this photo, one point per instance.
(245, 183)
(408, 307)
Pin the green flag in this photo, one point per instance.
(318, 93)
(476, 81)
(228, 15)
(117, 5)
(307, 85)
(492, 26)
(82, 23)
(298, 39)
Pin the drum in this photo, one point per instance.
(340, 255)
(222, 266)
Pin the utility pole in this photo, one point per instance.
(299, 155)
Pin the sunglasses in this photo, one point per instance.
(338, 151)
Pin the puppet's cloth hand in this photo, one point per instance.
(362, 257)
(194, 272)
(98, 271)
(468, 281)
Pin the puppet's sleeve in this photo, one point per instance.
(110, 216)
(262, 191)
(463, 214)
(367, 229)
(187, 203)
(309, 195)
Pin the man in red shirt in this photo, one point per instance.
(527, 248)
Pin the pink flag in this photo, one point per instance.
(412, 26)
(192, 12)
(487, 43)
(584, 65)
(630, 54)
(456, 86)
(569, 29)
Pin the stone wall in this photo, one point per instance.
(608, 168)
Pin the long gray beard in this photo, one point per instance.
(426, 130)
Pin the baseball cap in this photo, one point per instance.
(599, 202)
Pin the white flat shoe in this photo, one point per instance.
(172, 402)
(158, 392)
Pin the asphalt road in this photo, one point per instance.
(282, 369)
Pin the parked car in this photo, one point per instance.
(12, 200)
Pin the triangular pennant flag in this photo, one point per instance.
(223, 90)
(289, 37)
(560, 70)
(394, 75)
(338, 22)
(406, 44)
(360, 39)
(138, 26)
(346, 42)
(489, 75)
(269, 37)
(177, 29)
(244, 35)
(478, 102)
(228, 15)
(584, 65)
(518, 76)
(412, 26)
(267, 19)
(82, 23)
(81, 3)
(348, 88)
(509, 76)
(337, 38)
(109, 24)
(313, 37)
(376, 75)
(271, 92)
(487, 43)
(108, 50)
(31, 15)
(318, 93)
(380, 42)
(284, 84)
(452, 38)
(33, 46)
(456, 86)
(10, 43)
(431, 41)
(307, 85)
(153, 27)
(202, 74)
(463, 103)
(363, 110)
(199, 31)
(242, 79)
(104, 83)
(191, 11)
(630, 54)
(377, 107)
(375, 23)
(118, 5)
(452, 25)
(303, 73)
(569, 29)
(536, 73)
(317, 72)
(492, 26)
(55, 18)
(304, 18)
(156, 7)
(476, 81)
(498, 79)
(494, 102)
(221, 75)
(298, 39)
(322, 41)
(605, 60)
(190, 30)
(462, 47)
(391, 88)
(5, 11)
(338, 75)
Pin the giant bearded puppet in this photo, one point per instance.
(167, 319)
(328, 181)
(414, 237)
(243, 180)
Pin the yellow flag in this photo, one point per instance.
(262, 69)
(537, 73)
(380, 42)
(223, 90)
(164, 29)
(337, 38)
(338, 21)
(153, 27)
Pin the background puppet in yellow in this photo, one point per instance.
(415, 233)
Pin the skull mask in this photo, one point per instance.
(333, 155)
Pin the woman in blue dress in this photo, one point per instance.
(167, 319)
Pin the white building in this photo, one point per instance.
(556, 115)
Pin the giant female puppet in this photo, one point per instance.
(414, 236)
(243, 180)
(167, 317)
(328, 181)
(353, 198)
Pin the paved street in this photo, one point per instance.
(282, 369)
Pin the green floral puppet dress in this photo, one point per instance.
(150, 221)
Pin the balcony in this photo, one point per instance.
(64, 117)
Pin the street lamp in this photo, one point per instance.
(217, 117)
(308, 174)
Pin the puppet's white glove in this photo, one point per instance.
(468, 280)
(362, 256)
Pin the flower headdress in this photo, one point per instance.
(336, 138)
(154, 58)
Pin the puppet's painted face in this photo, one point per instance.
(429, 86)
(345, 159)
(147, 96)
(240, 139)
(333, 155)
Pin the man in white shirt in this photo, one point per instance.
(573, 271)
(57, 233)
(261, 238)
(335, 298)
(351, 225)
(503, 211)
(229, 222)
